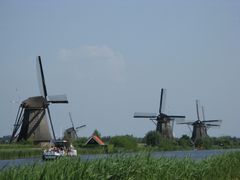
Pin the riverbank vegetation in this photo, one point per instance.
(16, 151)
(226, 166)
(154, 141)
(126, 143)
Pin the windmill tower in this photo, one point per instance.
(200, 127)
(71, 133)
(31, 121)
(163, 122)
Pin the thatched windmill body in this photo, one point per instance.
(71, 133)
(31, 121)
(200, 127)
(163, 122)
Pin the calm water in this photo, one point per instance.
(196, 155)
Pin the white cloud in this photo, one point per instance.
(94, 62)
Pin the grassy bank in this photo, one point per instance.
(15, 151)
(225, 166)
(20, 153)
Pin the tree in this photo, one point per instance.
(127, 142)
(80, 142)
(152, 138)
(207, 143)
(185, 141)
(167, 144)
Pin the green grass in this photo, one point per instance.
(14, 151)
(226, 166)
(20, 153)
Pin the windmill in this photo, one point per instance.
(200, 127)
(31, 120)
(164, 122)
(71, 133)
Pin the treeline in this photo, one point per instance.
(153, 140)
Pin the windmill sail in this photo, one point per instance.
(58, 99)
(145, 115)
(40, 76)
(32, 123)
(164, 122)
(200, 126)
(71, 133)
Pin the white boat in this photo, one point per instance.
(59, 149)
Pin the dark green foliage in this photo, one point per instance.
(137, 167)
(152, 138)
(80, 142)
(168, 144)
(207, 143)
(15, 151)
(226, 142)
(106, 139)
(126, 142)
(20, 153)
(185, 142)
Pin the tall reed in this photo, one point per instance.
(226, 166)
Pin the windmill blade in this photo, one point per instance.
(212, 125)
(188, 123)
(144, 115)
(75, 132)
(203, 114)
(79, 127)
(50, 119)
(70, 116)
(179, 120)
(216, 125)
(17, 123)
(175, 117)
(197, 108)
(41, 80)
(58, 99)
(162, 100)
(213, 121)
(153, 120)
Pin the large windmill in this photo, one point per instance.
(164, 122)
(71, 133)
(200, 127)
(31, 121)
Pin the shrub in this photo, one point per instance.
(152, 138)
(185, 142)
(168, 144)
(127, 142)
(80, 142)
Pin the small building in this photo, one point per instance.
(95, 140)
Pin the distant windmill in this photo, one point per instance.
(71, 132)
(31, 121)
(200, 127)
(163, 122)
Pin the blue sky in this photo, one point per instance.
(112, 58)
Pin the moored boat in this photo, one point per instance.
(59, 149)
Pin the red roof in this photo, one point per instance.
(96, 139)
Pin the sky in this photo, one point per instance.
(111, 59)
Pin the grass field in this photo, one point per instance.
(226, 166)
